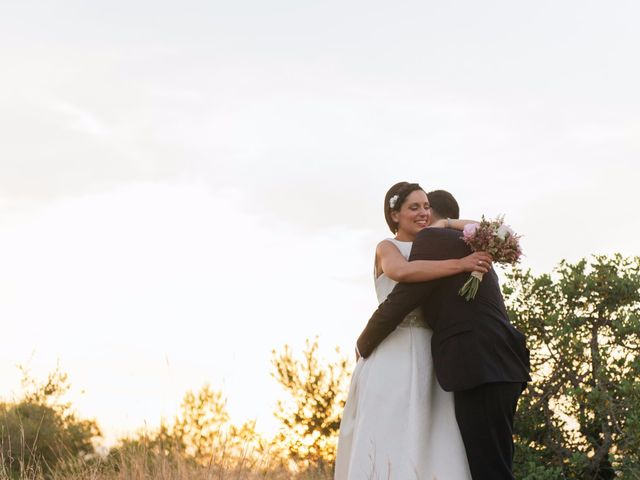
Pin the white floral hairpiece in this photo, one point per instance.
(393, 200)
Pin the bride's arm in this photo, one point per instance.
(454, 223)
(396, 267)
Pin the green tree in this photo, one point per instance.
(40, 430)
(580, 418)
(202, 433)
(204, 427)
(311, 416)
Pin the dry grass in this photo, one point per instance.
(42, 439)
(145, 465)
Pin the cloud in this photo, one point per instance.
(81, 120)
(205, 183)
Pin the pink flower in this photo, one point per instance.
(470, 229)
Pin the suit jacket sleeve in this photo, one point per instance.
(403, 299)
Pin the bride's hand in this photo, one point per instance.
(476, 262)
(455, 223)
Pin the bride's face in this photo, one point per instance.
(414, 214)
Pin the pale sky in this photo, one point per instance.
(185, 187)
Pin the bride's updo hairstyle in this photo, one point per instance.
(396, 196)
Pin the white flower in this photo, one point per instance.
(393, 200)
(503, 231)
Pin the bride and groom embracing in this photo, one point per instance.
(435, 389)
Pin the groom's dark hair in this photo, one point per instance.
(443, 205)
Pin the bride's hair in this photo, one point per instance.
(402, 190)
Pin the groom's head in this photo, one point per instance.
(443, 205)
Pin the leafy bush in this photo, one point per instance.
(39, 431)
(580, 417)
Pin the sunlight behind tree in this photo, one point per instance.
(317, 394)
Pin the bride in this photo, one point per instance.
(398, 423)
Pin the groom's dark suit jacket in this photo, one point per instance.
(473, 341)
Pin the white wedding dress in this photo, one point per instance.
(398, 423)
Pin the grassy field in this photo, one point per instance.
(143, 465)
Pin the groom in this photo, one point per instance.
(477, 353)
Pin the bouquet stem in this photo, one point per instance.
(470, 288)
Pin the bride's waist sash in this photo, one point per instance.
(414, 319)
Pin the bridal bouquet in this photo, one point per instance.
(495, 238)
